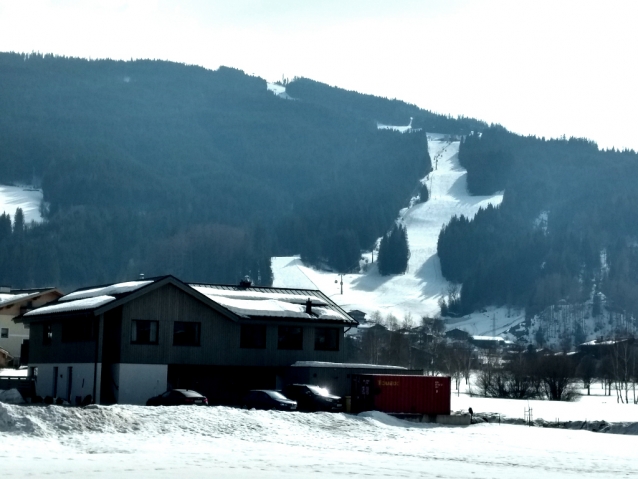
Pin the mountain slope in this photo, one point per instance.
(417, 291)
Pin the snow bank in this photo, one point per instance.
(12, 396)
(135, 441)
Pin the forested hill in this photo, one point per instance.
(566, 231)
(381, 110)
(155, 167)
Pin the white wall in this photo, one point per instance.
(17, 333)
(81, 385)
(139, 382)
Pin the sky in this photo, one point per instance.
(537, 67)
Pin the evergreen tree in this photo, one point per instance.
(5, 226)
(394, 251)
(18, 223)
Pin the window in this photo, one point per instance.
(4, 332)
(290, 337)
(144, 332)
(327, 339)
(252, 336)
(47, 333)
(82, 329)
(186, 333)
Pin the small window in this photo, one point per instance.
(186, 333)
(47, 333)
(4, 332)
(144, 332)
(326, 339)
(252, 336)
(290, 337)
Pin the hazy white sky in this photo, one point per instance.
(537, 67)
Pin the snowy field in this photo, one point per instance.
(29, 199)
(219, 442)
(417, 292)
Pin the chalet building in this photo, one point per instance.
(457, 334)
(126, 342)
(13, 303)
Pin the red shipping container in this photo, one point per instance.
(398, 394)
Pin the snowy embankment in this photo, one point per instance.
(29, 199)
(141, 442)
(418, 290)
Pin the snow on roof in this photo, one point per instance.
(488, 338)
(266, 307)
(596, 342)
(77, 305)
(274, 308)
(323, 364)
(266, 303)
(7, 298)
(213, 293)
(118, 288)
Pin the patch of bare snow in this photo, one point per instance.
(27, 198)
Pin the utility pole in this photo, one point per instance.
(341, 283)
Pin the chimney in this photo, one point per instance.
(141, 276)
(246, 282)
(5, 289)
(308, 306)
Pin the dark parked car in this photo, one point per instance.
(178, 397)
(268, 399)
(313, 398)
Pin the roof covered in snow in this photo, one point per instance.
(263, 302)
(323, 364)
(19, 295)
(239, 301)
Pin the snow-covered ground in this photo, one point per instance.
(417, 292)
(218, 442)
(29, 199)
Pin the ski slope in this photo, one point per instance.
(29, 199)
(418, 291)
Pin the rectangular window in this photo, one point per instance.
(47, 333)
(75, 330)
(186, 333)
(252, 336)
(327, 339)
(144, 332)
(290, 337)
(4, 332)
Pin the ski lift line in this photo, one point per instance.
(308, 277)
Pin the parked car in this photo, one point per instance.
(268, 399)
(178, 397)
(313, 398)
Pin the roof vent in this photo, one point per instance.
(246, 282)
(141, 276)
(308, 306)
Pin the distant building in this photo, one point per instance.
(14, 302)
(457, 335)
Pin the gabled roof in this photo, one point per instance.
(234, 302)
(15, 296)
